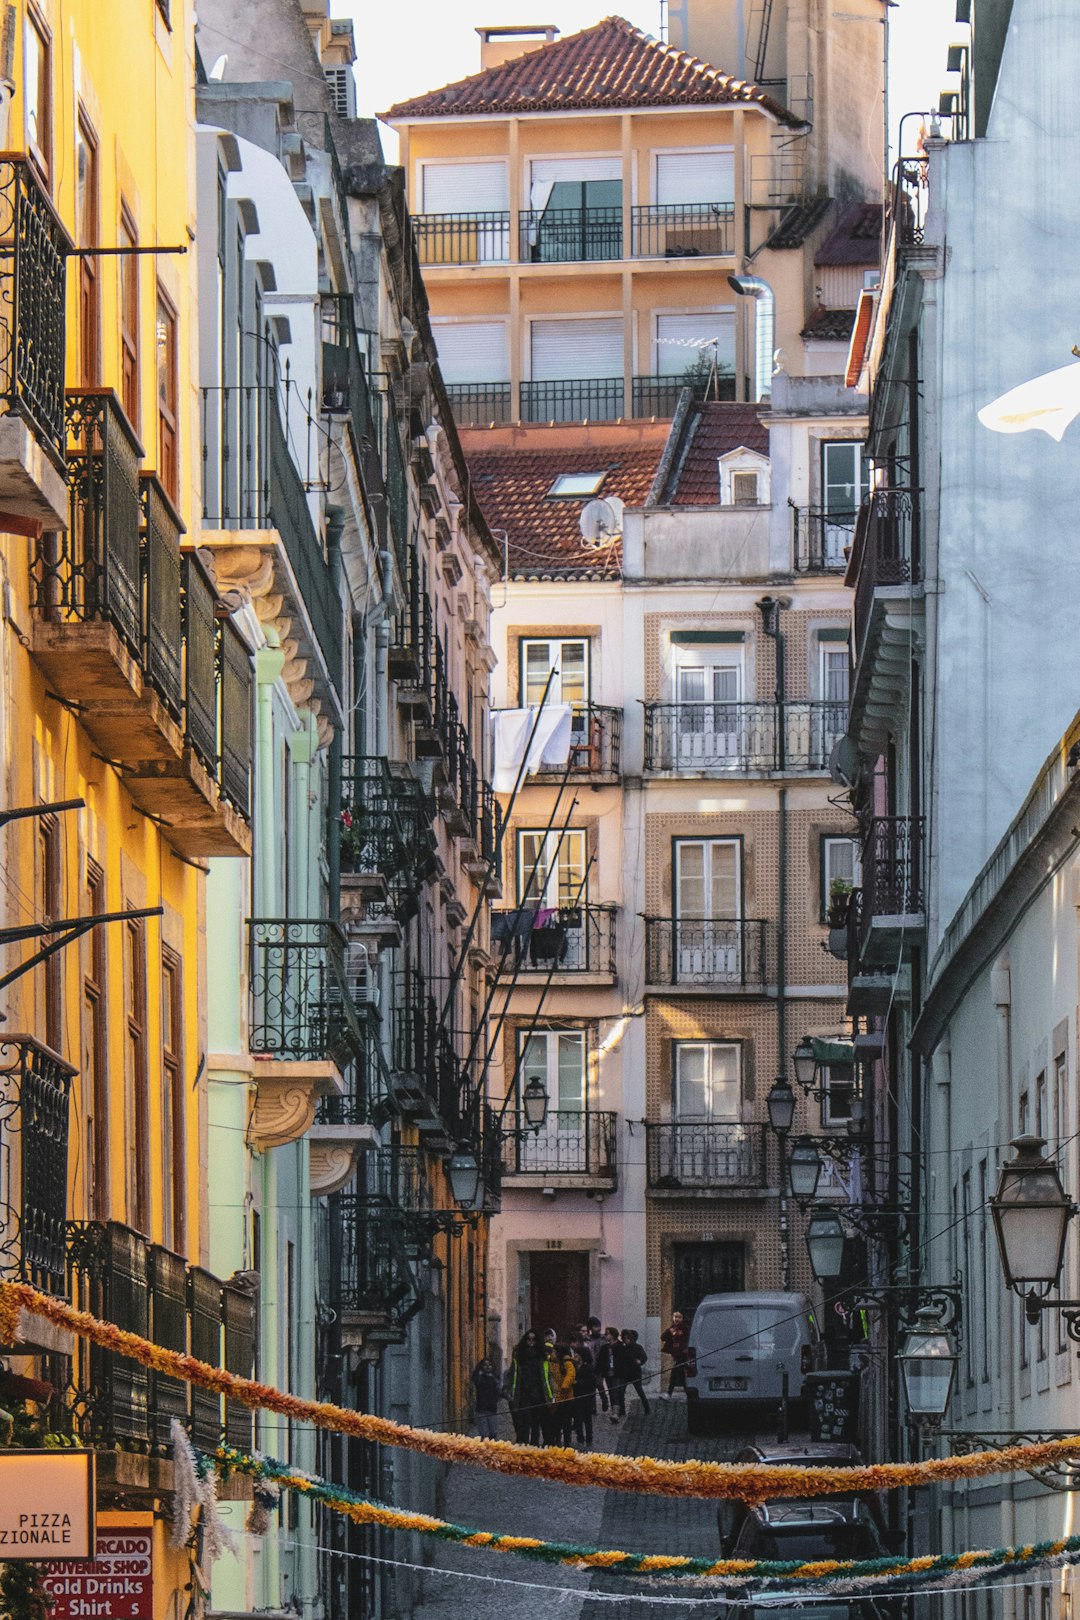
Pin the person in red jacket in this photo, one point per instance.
(674, 1342)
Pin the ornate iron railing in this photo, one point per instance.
(595, 743)
(303, 1003)
(237, 694)
(397, 489)
(35, 1090)
(571, 939)
(571, 1142)
(478, 404)
(885, 550)
(892, 883)
(567, 235)
(573, 400)
(730, 953)
(659, 395)
(366, 1273)
(33, 303)
(821, 541)
(704, 1155)
(682, 230)
(200, 661)
(690, 738)
(163, 658)
(479, 238)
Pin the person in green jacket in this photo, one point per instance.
(530, 1390)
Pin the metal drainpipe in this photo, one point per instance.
(382, 662)
(335, 523)
(770, 608)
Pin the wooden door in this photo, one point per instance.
(559, 1291)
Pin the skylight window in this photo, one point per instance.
(579, 484)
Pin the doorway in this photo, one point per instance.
(705, 1268)
(558, 1291)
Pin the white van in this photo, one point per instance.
(740, 1347)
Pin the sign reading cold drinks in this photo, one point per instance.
(116, 1585)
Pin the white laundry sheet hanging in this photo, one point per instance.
(549, 747)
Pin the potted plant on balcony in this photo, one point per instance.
(350, 841)
(840, 892)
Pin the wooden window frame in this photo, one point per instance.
(824, 874)
(174, 1136)
(89, 278)
(710, 1047)
(137, 1074)
(129, 294)
(168, 405)
(42, 156)
(96, 1044)
(50, 900)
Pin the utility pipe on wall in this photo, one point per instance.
(764, 328)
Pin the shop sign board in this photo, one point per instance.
(117, 1585)
(46, 1504)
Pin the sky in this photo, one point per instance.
(408, 46)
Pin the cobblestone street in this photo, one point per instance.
(606, 1519)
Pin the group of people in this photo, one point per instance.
(553, 1384)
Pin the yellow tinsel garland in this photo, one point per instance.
(750, 1483)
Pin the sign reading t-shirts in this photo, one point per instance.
(117, 1585)
(834, 1406)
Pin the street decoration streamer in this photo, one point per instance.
(745, 1577)
(751, 1483)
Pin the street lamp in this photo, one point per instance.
(534, 1103)
(927, 1365)
(463, 1169)
(805, 1064)
(1031, 1212)
(825, 1244)
(781, 1105)
(804, 1170)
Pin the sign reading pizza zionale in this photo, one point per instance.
(46, 1504)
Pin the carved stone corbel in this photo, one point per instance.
(286, 1097)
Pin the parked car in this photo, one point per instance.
(740, 1347)
(855, 1609)
(805, 1528)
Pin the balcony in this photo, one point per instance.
(725, 956)
(888, 919)
(658, 396)
(595, 746)
(366, 1272)
(750, 739)
(569, 235)
(578, 399)
(702, 1159)
(459, 798)
(682, 230)
(481, 404)
(258, 525)
(387, 848)
(35, 1090)
(601, 399)
(821, 541)
(33, 432)
(570, 943)
(885, 569)
(129, 631)
(118, 1274)
(480, 238)
(572, 1149)
(480, 855)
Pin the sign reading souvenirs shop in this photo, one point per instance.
(46, 1505)
(117, 1585)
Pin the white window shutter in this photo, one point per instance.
(682, 339)
(572, 349)
(465, 188)
(546, 171)
(472, 351)
(696, 177)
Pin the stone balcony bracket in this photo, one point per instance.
(334, 1154)
(286, 1096)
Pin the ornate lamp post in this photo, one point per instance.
(928, 1362)
(1031, 1213)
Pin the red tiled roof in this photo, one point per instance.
(832, 325)
(718, 428)
(544, 537)
(798, 222)
(612, 64)
(855, 238)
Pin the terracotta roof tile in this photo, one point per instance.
(718, 428)
(855, 238)
(612, 64)
(544, 538)
(797, 222)
(831, 325)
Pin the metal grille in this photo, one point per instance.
(478, 238)
(742, 737)
(161, 551)
(108, 1277)
(575, 400)
(237, 696)
(574, 939)
(168, 1397)
(697, 1154)
(35, 1087)
(199, 673)
(204, 1307)
(240, 1314)
(564, 235)
(727, 952)
(367, 1268)
(301, 1004)
(682, 230)
(478, 404)
(33, 244)
(892, 867)
(570, 1142)
(659, 395)
(821, 541)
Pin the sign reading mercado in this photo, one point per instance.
(118, 1585)
(46, 1504)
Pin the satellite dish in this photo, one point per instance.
(217, 72)
(844, 762)
(601, 522)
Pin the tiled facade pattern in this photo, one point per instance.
(799, 628)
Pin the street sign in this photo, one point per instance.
(117, 1585)
(46, 1504)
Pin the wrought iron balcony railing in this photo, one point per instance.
(821, 541)
(567, 235)
(595, 743)
(481, 403)
(162, 629)
(571, 1142)
(570, 939)
(574, 400)
(892, 881)
(35, 1090)
(385, 824)
(726, 953)
(306, 1000)
(118, 1274)
(366, 1270)
(480, 238)
(33, 246)
(702, 1155)
(742, 738)
(659, 395)
(682, 230)
(885, 551)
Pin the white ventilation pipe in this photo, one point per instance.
(764, 328)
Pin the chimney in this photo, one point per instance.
(501, 44)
